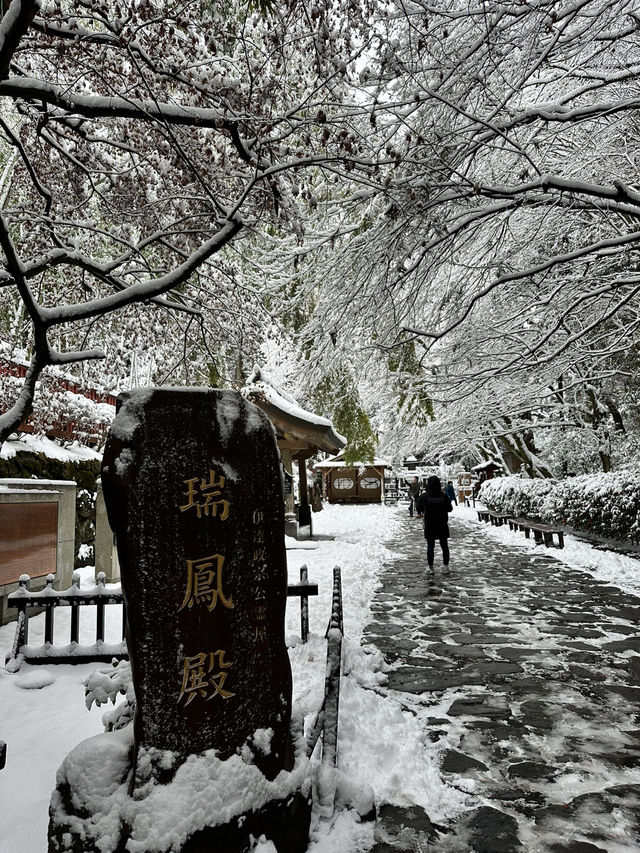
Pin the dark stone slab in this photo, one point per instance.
(193, 489)
(482, 631)
(493, 831)
(531, 770)
(627, 645)
(534, 714)
(587, 712)
(449, 649)
(383, 630)
(495, 731)
(468, 619)
(526, 802)
(404, 828)
(458, 762)
(498, 667)
(630, 614)
(404, 645)
(511, 653)
(477, 706)
(634, 669)
(432, 665)
(416, 680)
(581, 618)
(606, 690)
(586, 657)
(579, 644)
(577, 847)
(431, 630)
(586, 673)
(475, 639)
(628, 759)
(529, 684)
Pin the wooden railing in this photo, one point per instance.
(99, 597)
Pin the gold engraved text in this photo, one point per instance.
(204, 583)
(205, 496)
(199, 678)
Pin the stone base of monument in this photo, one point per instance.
(209, 805)
(284, 822)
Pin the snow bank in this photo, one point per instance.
(204, 792)
(606, 505)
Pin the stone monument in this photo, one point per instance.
(193, 489)
(192, 484)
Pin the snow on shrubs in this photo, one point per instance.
(58, 411)
(606, 505)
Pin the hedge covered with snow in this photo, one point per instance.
(606, 505)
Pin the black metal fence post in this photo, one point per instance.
(75, 609)
(304, 606)
(100, 609)
(48, 616)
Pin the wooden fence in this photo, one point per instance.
(98, 596)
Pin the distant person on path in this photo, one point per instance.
(414, 491)
(451, 492)
(435, 507)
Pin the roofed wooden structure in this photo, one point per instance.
(300, 434)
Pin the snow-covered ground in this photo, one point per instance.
(619, 569)
(382, 748)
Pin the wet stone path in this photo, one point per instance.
(541, 664)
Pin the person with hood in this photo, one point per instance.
(414, 491)
(451, 492)
(435, 507)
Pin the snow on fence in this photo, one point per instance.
(75, 598)
(99, 596)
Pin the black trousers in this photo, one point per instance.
(445, 550)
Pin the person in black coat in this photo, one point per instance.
(435, 507)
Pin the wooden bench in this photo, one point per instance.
(541, 532)
(496, 518)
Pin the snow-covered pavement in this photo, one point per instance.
(522, 668)
(393, 741)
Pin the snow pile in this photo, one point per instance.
(72, 452)
(204, 792)
(606, 505)
(36, 679)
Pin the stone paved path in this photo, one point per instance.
(542, 664)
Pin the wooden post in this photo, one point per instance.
(304, 514)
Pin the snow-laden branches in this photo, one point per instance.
(145, 139)
(502, 240)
